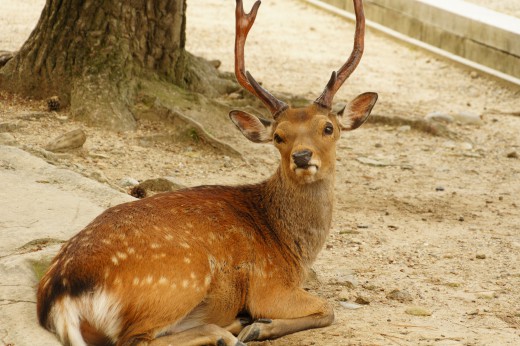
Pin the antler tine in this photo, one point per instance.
(244, 22)
(338, 78)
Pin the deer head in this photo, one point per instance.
(305, 137)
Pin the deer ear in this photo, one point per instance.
(255, 129)
(357, 111)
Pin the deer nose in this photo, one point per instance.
(301, 158)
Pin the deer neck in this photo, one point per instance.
(300, 214)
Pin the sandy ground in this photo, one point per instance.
(437, 218)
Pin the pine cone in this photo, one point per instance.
(53, 104)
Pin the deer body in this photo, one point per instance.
(210, 265)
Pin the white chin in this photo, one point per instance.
(307, 175)
(309, 171)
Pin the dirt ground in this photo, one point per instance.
(426, 233)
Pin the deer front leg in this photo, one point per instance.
(285, 313)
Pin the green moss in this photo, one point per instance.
(193, 135)
(40, 267)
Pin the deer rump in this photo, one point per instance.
(125, 267)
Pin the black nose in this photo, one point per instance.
(302, 158)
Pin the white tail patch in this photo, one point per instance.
(100, 309)
(65, 321)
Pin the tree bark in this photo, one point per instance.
(93, 54)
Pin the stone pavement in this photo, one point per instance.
(40, 206)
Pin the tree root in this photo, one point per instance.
(5, 56)
(422, 125)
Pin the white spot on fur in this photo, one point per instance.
(168, 237)
(187, 260)
(207, 280)
(185, 245)
(185, 283)
(130, 250)
(121, 255)
(193, 276)
(105, 241)
(114, 260)
(135, 282)
(155, 245)
(163, 280)
(149, 279)
(157, 256)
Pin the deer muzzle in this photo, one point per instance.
(302, 158)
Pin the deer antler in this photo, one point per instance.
(338, 78)
(244, 22)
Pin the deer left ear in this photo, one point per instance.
(255, 129)
(354, 114)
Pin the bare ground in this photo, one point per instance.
(437, 218)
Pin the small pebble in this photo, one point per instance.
(418, 311)
(512, 155)
(466, 146)
(362, 300)
(480, 256)
(486, 295)
(351, 306)
(439, 117)
(400, 296)
(439, 188)
(468, 118)
(71, 140)
(128, 181)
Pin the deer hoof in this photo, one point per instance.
(249, 333)
(222, 342)
(264, 320)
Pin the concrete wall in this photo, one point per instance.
(472, 32)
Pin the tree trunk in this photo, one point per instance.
(94, 53)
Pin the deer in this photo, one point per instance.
(213, 265)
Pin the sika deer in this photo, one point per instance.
(217, 265)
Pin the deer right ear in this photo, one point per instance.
(255, 129)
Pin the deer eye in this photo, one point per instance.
(328, 130)
(278, 139)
